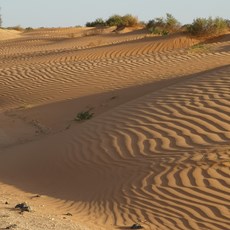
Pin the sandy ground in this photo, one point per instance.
(6, 34)
(156, 152)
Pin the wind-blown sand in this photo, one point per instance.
(156, 152)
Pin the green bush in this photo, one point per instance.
(208, 26)
(129, 20)
(164, 32)
(163, 25)
(154, 31)
(96, 23)
(83, 116)
(28, 28)
(115, 20)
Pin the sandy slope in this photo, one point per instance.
(9, 34)
(156, 152)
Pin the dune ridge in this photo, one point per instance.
(59, 76)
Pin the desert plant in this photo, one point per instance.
(208, 26)
(28, 28)
(82, 116)
(96, 23)
(114, 20)
(18, 28)
(164, 32)
(155, 31)
(171, 22)
(158, 31)
(199, 48)
(129, 20)
(163, 25)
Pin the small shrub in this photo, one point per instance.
(155, 31)
(158, 31)
(28, 28)
(98, 22)
(199, 48)
(82, 116)
(208, 26)
(165, 32)
(171, 22)
(115, 20)
(18, 28)
(129, 21)
(162, 25)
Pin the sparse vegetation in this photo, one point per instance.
(208, 26)
(127, 20)
(18, 28)
(115, 20)
(163, 26)
(98, 22)
(28, 29)
(166, 25)
(82, 116)
(199, 48)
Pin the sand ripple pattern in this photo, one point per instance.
(55, 75)
(162, 159)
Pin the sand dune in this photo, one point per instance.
(156, 152)
(9, 34)
(57, 76)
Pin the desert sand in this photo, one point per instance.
(156, 151)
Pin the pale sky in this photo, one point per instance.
(64, 13)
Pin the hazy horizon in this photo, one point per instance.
(51, 13)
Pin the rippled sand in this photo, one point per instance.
(156, 151)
